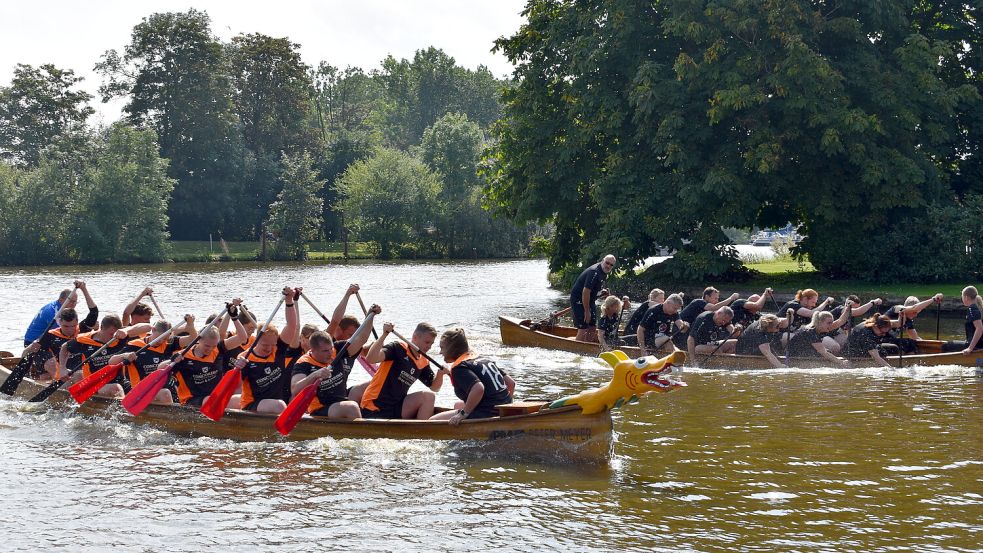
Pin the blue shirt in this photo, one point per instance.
(42, 321)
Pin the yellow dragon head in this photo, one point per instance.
(632, 378)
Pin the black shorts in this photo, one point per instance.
(577, 311)
(483, 413)
(394, 412)
(322, 411)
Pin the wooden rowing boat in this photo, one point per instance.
(516, 332)
(551, 434)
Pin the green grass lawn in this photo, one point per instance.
(190, 250)
(789, 276)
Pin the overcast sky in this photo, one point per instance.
(73, 35)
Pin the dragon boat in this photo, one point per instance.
(577, 428)
(517, 332)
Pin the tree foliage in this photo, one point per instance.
(635, 125)
(390, 199)
(175, 76)
(39, 107)
(295, 217)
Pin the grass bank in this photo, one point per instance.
(202, 251)
(785, 278)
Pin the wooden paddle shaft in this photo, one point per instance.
(412, 345)
(314, 307)
(157, 307)
(366, 312)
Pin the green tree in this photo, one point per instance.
(418, 92)
(271, 93)
(40, 211)
(389, 200)
(344, 149)
(40, 106)
(635, 125)
(176, 77)
(121, 217)
(295, 217)
(343, 101)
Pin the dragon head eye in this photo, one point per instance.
(641, 362)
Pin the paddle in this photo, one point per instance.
(54, 386)
(295, 410)
(369, 367)
(146, 390)
(938, 316)
(17, 374)
(88, 386)
(218, 400)
(724, 341)
(901, 333)
(365, 312)
(412, 345)
(159, 312)
(789, 317)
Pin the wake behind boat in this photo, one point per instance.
(524, 332)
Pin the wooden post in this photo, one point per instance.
(262, 243)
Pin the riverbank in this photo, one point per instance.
(786, 278)
(217, 251)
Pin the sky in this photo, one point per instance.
(73, 35)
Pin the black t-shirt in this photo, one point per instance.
(148, 360)
(269, 377)
(656, 322)
(706, 330)
(801, 343)
(797, 320)
(742, 315)
(972, 315)
(862, 339)
(397, 373)
(465, 374)
(693, 310)
(850, 323)
(592, 278)
(752, 337)
(631, 327)
(609, 327)
(335, 387)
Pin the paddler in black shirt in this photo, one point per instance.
(478, 381)
(584, 294)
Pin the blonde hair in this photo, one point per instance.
(611, 301)
(656, 292)
(210, 332)
(971, 293)
(768, 322)
(426, 328)
(819, 316)
(308, 329)
(807, 293)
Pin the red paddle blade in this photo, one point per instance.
(215, 404)
(88, 386)
(290, 416)
(145, 391)
(369, 367)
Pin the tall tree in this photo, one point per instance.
(41, 105)
(343, 100)
(176, 78)
(128, 172)
(295, 217)
(635, 125)
(389, 199)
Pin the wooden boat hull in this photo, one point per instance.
(516, 332)
(558, 434)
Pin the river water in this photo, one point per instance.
(819, 460)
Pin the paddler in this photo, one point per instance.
(330, 369)
(266, 371)
(199, 371)
(140, 366)
(478, 382)
(84, 346)
(136, 312)
(400, 365)
(49, 345)
(584, 294)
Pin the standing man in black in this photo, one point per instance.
(584, 294)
